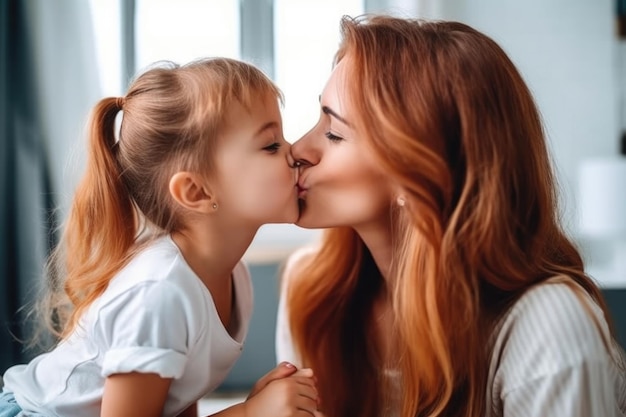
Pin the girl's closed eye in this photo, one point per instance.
(273, 148)
(332, 137)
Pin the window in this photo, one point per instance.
(184, 30)
(306, 36)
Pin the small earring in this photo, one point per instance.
(400, 201)
(214, 206)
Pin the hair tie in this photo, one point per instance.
(117, 129)
(119, 102)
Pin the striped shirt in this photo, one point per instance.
(550, 359)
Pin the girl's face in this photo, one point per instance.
(256, 184)
(340, 182)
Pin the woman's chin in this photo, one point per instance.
(307, 221)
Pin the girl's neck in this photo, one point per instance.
(213, 254)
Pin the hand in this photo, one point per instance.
(282, 370)
(289, 395)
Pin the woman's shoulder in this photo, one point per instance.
(297, 260)
(556, 313)
(553, 327)
(553, 350)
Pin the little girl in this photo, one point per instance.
(150, 298)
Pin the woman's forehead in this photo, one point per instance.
(334, 94)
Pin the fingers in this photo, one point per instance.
(307, 389)
(308, 413)
(301, 389)
(293, 394)
(306, 403)
(304, 372)
(307, 385)
(282, 370)
(307, 398)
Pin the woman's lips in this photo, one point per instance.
(301, 190)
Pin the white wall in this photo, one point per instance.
(566, 51)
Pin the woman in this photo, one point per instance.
(444, 285)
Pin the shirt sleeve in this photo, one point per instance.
(557, 358)
(145, 329)
(586, 390)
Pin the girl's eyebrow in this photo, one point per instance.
(266, 126)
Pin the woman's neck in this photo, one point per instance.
(377, 238)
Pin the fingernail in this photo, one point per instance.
(289, 365)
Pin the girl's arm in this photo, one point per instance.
(134, 395)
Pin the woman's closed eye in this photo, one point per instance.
(332, 137)
(273, 148)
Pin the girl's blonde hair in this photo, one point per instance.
(172, 119)
(453, 123)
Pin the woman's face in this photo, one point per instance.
(340, 181)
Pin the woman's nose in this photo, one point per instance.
(304, 150)
(291, 161)
(295, 165)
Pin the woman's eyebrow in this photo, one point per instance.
(327, 110)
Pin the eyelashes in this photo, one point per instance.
(332, 137)
(273, 148)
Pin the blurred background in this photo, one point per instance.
(58, 57)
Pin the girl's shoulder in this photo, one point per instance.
(158, 261)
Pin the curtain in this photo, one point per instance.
(48, 82)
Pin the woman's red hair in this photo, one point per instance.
(453, 123)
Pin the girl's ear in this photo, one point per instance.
(192, 192)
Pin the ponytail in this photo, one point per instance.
(100, 229)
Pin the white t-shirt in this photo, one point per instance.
(156, 316)
(548, 357)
